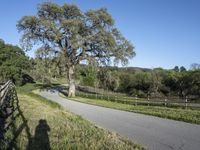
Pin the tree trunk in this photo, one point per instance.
(71, 76)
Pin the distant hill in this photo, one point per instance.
(130, 69)
(135, 69)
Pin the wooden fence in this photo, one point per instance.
(4, 91)
(149, 101)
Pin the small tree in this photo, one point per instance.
(76, 36)
(176, 69)
(182, 69)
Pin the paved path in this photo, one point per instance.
(153, 132)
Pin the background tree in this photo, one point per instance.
(13, 63)
(176, 68)
(182, 69)
(193, 86)
(76, 36)
(108, 80)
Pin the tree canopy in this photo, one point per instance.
(13, 62)
(76, 36)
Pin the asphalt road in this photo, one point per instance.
(153, 132)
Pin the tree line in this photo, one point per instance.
(47, 67)
(158, 82)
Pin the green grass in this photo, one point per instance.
(124, 99)
(175, 113)
(186, 115)
(39, 124)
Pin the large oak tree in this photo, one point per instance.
(76, 35)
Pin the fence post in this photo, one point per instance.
(148, 99)
(186, 101)
(0, 93)
(165, 102)
(136, 100)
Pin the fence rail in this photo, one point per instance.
(4, 89)
(168, 102)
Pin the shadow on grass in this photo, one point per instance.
(40, 141)
(9, 116)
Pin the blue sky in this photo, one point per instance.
(165, 33)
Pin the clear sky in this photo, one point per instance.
(165, 33)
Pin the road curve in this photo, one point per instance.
(153, 132)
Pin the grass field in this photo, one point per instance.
(38, 124)
(186, 115)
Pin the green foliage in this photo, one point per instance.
(176, 68)
(46, 67)
(182, 69)
(91, 34)
(108, 79)
(88, 81)
(13, 63)
(76, 36)
(87, 75)
(143, 83)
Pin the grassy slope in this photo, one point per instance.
(186, 115)
(58, 128)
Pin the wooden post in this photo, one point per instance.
(186, 101)
(0, 94)
(165, 102)
(148, 99)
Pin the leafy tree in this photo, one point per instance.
(182, 69)
(45, 65)
(108, 79)
(76, 36)
(156, 78)
(195, 87)
(171, 81)
(13, 63)
(126, 82)
(176, 68)
(87, 74)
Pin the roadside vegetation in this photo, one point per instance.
(177, 113)
(41, 124)
(173, 112)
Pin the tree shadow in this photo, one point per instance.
(40, 141)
